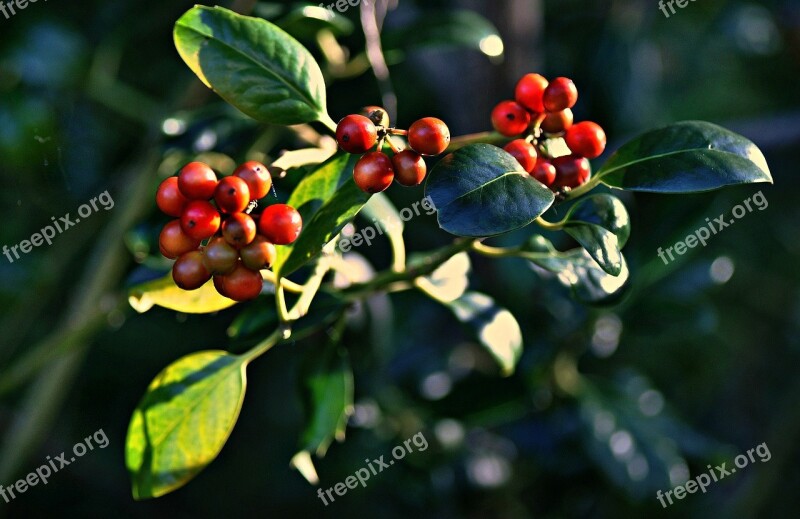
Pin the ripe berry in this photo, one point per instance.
(232, 195)
(189, 273)
(257, 176)
(560, 94)
(429, 136)
(170, 199)
(259, 255)
(219, 257)
(379, 116)
(280, 224)
(242, 284)
(571, 171)
(197, 181)
(200, 220)
(239, 230)
(530, 91)
(409, 168)
(524, 152)
(510, 118)
(219, 284)
(558, 122)
(586, 139)
(544, 172)
(356, 134)
(173, 242)
(373, 172)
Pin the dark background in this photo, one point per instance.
(694, 366)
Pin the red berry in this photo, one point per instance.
(189, 273)
(200, 220)
(258, 179)
(558, 122)
(242, 284)
(429, 136)
(170, 199)
(378, 115)
(571, 171)
(544, 172)
(560, 94)
(409, 168)
(219, 284)
(510, 118)
(197, 181)
(356, 134)
(373, 172)
(259, 255)
(530, 91)
(219, 257)
(239, 230)
(173, 242)
(232, 195)
(524, 152)
(280, 224)
(586, 139)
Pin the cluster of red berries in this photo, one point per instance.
(374, 172)
(542, 110)
(235, 249)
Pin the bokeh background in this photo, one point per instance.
(697, 364)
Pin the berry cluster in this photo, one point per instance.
(374, 172)
(541, 111)
(235, 249)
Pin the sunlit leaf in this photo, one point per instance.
(165, 293)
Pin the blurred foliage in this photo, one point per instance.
(695, 365)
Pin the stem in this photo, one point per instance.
(310, 289)
(395, 149)
(262, 347)
(283, 312)
(541, 222)
(582, 190)
(511, 252)
(474, 138)
(289, 286)
(428, 266)
(401, 133)
(328, 122)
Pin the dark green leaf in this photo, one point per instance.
(481, 190)
(447, 29)
(579, 272)
(327, 200)
(328, 396)
(683, 158)
(495, 327)
(600, 223)
(183, 421)
(253, 65)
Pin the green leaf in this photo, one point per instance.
(328, 397)
(578, 271)
(600, 223)
(253, 65)
(165, 293)
(685, 157)
(461, 28)
(480, 190)
(183, 421)
(495, 328)
(328, 199)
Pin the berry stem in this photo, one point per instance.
(289, 286)
(511, 252)
(310, 289)
(283, 312)
(475, 138)
(582, 190)
(541, 222)
(395, 149)
(395, 131)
